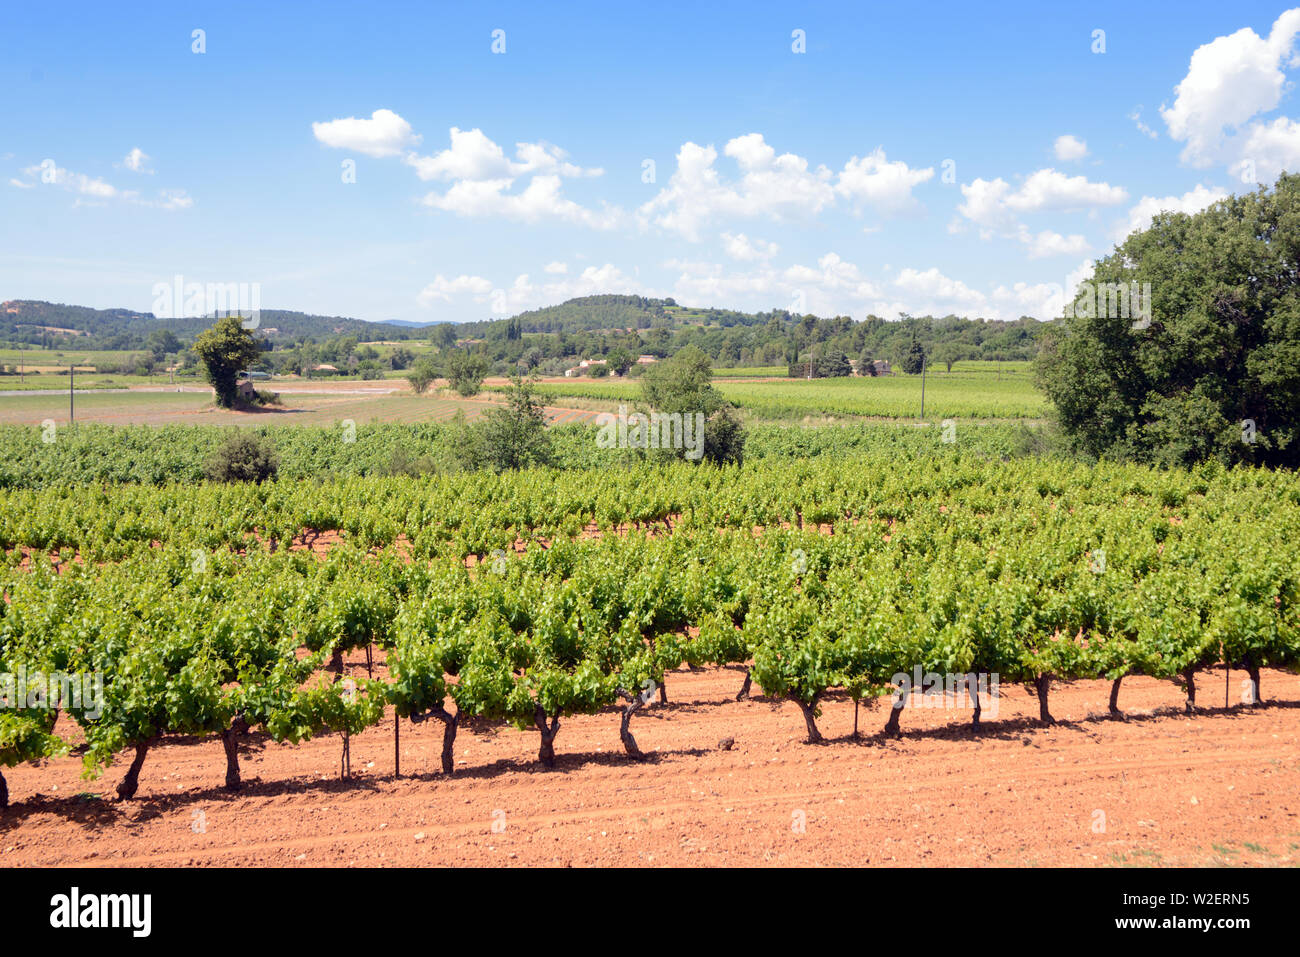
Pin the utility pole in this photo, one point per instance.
(922, 385)
(72, 402)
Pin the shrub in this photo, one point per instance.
(241, 458)
(422, 374)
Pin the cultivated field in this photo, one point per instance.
(302, 403)
(1215, 790)
(983, 391)
(556, 599)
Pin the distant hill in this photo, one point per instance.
(37, 323)
(586, 314)
(590, 326)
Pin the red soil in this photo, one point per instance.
(1219, 787)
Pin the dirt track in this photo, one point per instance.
(1216, 788)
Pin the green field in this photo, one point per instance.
(65, 357)
(748, 372)
(987, 390)
(973, 390)
(88, 380)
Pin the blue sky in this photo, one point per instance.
(927, 158)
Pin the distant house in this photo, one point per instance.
(325, 368)
(882, 367)
(582, 367)
(245, 389)
(645, 360)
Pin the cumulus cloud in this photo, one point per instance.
(137, 161)
(932, 285)
(1267, 150)
(784, 187)
(1069, 148)
(474, 156)
(1048, 243)
(443, 289)
(878, 183)
(522, 293)
(996, 208)
(831, 285)
(384, 134)
(930, 292)
(740, 247)
(540, 200)
(556, 268)
(780, 187)
(835, 286)
(481, 178)
(1229, 81)
(1048, 189)
(1139, 217)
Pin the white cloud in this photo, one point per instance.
(783, 187)
(932, 286)
(474, 156)
(471, 156)
(540, 200)
(522, 293)
(875, 181)
(740, 247)
(996, 208)
(992, 204)
(1230, 80)
(986, 204)
(704, 282)
(833, 286)
(88, 186)
(384, 134)
(930, 292)
(1267, 150)
(1048, 189)
(830, 286)
(1069, 148)
(443, 289)
(543, 157)
(94, 191)
(480, 175)
(172, 199)
(137, 161)
(1139, 217)
(1048, 243)
(556, 268)
(1136, 117)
